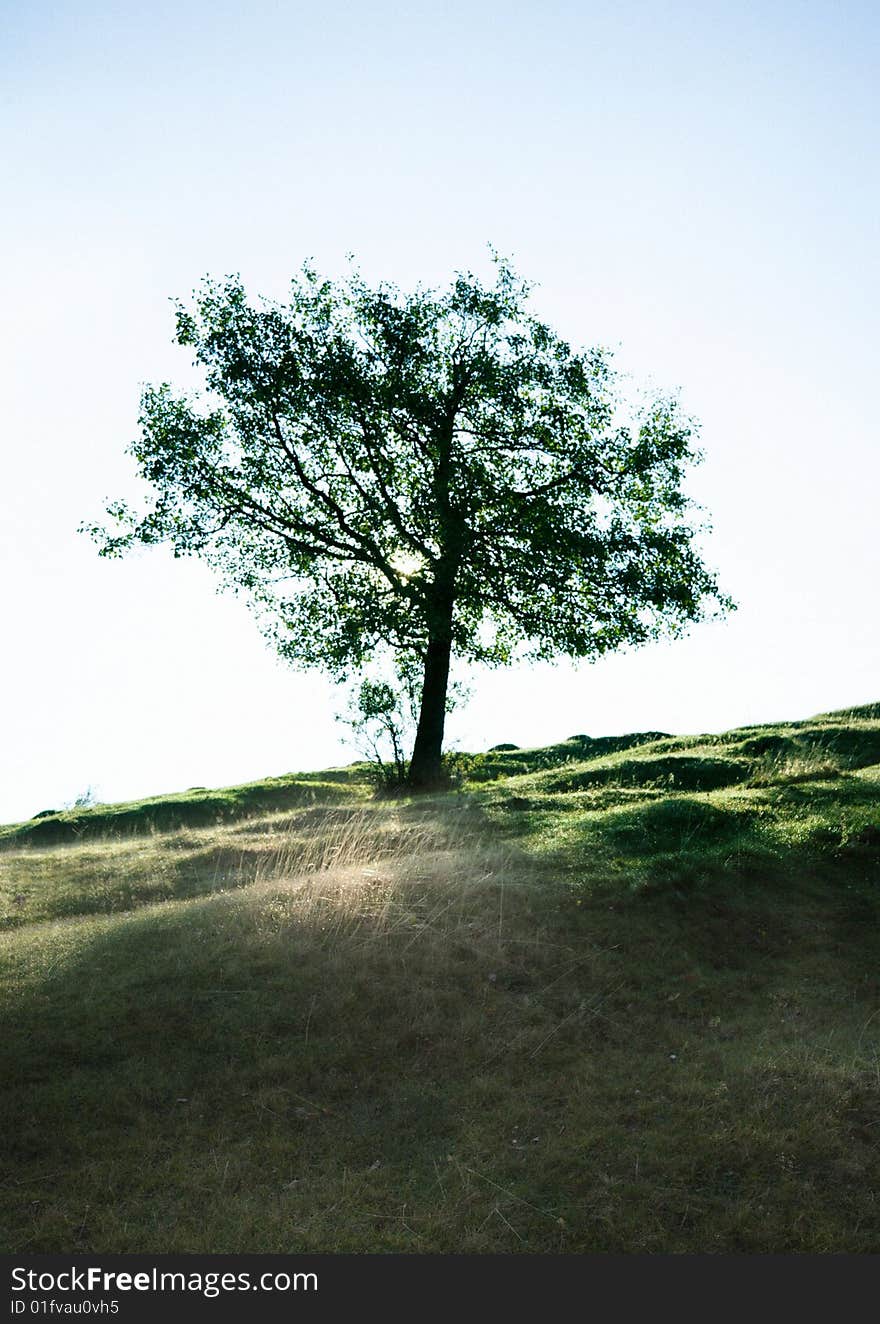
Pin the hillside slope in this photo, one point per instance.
(615, 995)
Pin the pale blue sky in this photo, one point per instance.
(694, 184)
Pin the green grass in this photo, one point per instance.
(198, 807)
(609, 996)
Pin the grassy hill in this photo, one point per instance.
(609, 995)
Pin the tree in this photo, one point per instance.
(379, 717)
(436, 473)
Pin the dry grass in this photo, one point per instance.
(608, 1019)
(335, 1018)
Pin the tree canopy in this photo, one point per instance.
(434, 474)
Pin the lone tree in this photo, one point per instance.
(436, 474)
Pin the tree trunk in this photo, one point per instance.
(425, 771)
(425, 767)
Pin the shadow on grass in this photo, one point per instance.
(451, 1051)
(57, 889)
(635, 839)
(409, 1065)
(510, 761)
(673, 772)
(854, 747)
(268, 1046)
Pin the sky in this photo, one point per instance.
(694, 185)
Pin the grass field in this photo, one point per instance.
(615, 995)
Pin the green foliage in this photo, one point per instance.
(379, 716)
(382, 716)
(426, 472)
